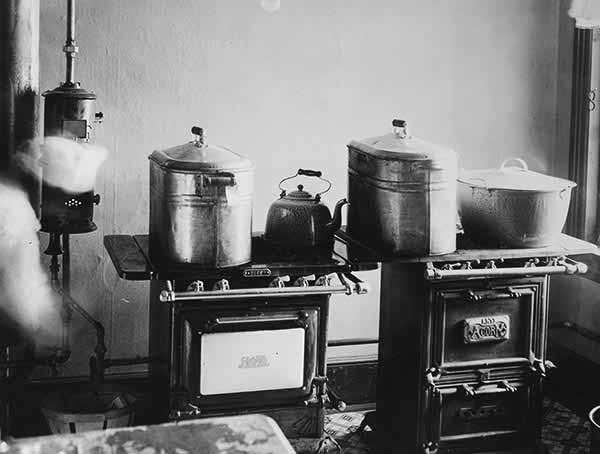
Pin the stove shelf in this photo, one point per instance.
(129, 254)
(468, 251)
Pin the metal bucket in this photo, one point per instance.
(402, 194)
(200, 205)
(594, 418)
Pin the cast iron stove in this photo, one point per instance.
(246, 339)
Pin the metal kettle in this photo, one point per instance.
(300, 219)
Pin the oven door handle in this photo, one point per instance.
(354, 286)
(563, 266)
(259, 319)
(502, 386)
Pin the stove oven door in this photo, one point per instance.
(242, 358)
(491, 417)
(485, 332)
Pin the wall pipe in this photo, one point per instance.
(19, 88)
(19, 108)
(70, 48)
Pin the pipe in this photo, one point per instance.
(67, 311)
(353, 341)
(70, 49)
(19, 88)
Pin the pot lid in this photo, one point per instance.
(299, 194)
(401, 145)
(515, 178)
(197, 155)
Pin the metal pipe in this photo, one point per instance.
(352, 341)
(432, 273)
(19, 87)
(70, 48)
(48, 360)
(100, 348)
(66, 263)
(67, 311)
(126, 361)
(167, 296)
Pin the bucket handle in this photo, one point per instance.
(523, 165)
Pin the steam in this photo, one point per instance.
(26, 296)
(65, 163)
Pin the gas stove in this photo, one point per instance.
(245, 339)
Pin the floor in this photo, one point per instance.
(564, 433)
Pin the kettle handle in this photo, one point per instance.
(307, 173)
(310, 173)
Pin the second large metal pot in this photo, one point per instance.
(402, 194)
(513, 206)
(200, 205)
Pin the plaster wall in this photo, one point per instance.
(290, 89)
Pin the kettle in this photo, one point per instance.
(300, 219)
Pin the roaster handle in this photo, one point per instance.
(522, 164)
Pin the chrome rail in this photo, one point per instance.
(560, 265)
(349, 284)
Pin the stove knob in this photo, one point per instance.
(279, 281)
(304, 281)
(196, 286)
(323, 281)
(221, 284)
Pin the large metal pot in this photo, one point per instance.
(200, 205)
(513, 206)
(402, 194)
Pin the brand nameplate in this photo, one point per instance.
(258, 271)
(486, 329)
(253, 362)
(483, 412)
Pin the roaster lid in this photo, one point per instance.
(516, 178)
(197, 155)
(401, 145)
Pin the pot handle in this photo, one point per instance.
(220, 179)
(522, 164)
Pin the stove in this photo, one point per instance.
(245, 339)
(462, 347)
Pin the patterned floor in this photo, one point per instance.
(563, 433)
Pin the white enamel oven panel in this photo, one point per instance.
(247, 361)
(248, 356)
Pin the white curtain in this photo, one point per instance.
(586, 13)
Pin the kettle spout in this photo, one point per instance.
(336, 222)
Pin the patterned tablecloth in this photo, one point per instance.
(244, 434)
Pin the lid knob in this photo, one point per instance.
(300, 187)
(400, 128)
(199, 133)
